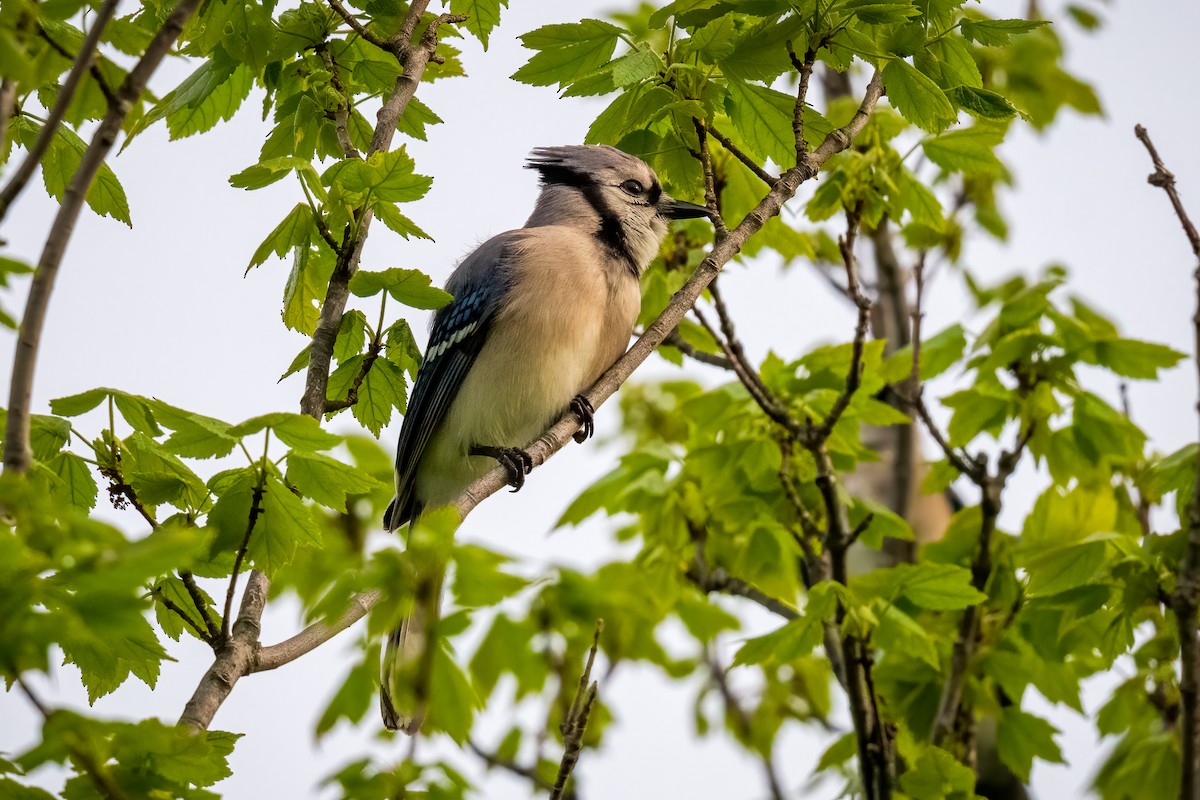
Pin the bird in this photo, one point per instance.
(538, 315)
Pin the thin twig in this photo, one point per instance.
(18, 454)
(718, 580)
(734, 151)
(710, 187)
(854, 379)
(1186, 597)
(674, 339)
(198, 599)
(66, 93)
(255, 510)
(179, 612)
(528, 773)
(574, 725)
(358, 27)
(315, 635)
(342, 114)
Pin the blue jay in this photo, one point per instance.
(538, 315)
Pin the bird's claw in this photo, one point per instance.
(515, 461)
(586, 412)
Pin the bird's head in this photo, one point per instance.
(611, 191)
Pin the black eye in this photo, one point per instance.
(633, 187)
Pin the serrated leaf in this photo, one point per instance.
(76, 478)
(327, 480)
(284, 525)
(390, 216)
(763, 117)
(970, 150)
(920, 100)
(59, 165)
(997, 32)
(409, 286)
(981, 103)
(386, 176)
(482, 16)
(382, 390)
(568, 51)
(1022, 737)
(298, 431)
(938, 587)
(295, 230)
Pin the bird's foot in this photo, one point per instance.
(516, 461)
(586, 413)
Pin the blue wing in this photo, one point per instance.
(459, 331)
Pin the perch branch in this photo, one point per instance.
(1186, 597)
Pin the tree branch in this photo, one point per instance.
(674, 339)
(413, 60)
(82, 63)
(574, 724)
(749, 162)
(17, 452)
(342, 114)
(1186, 597)
(314, 635)
(528, 773)
(241, 654)
(358, 27)
(561, 432)
(718, 580)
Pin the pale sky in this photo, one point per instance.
(163, 310)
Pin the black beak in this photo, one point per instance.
(671, 208)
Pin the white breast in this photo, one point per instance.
(564, 324)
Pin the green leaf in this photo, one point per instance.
(1021, 737)
(882, 12)
(763, 117)
(249, 33)
(390, 216)
(305, 288)
(298, 431)
(452, 700)
(409, 286)
(356, 696)
(63, 157)
(382, 390)
(635, 67)
(938, 587)
(295, 230)
(970, 150)
(175, 591)
(76, 477)
(327, 480)
(1135, 359)
(997, 32)
(479, 580)
(195, 435)
(795, 639)
(981, 103)
(937, 774)
(267, 172)
(918, 98)
(385, 175)
(158, 476)
(482, 16)
(569, 52)
(284, 525)
(415, 117)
